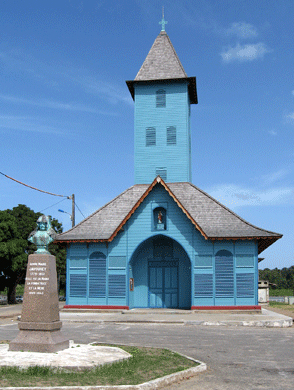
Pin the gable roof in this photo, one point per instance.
(213, 220)
(162, 63)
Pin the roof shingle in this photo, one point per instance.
(161, 62)
(211, 218)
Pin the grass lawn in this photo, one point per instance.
(144, 365)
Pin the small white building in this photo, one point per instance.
(263, 291)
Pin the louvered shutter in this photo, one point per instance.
(162, 172)
(224, 274)
(160, 98)
(203, 285)
(171, 135)
(97, 275)
(150, 136)
(117, 286)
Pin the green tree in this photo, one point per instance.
(283, 278)
(15, 226)
(60, 255)
(12, 253)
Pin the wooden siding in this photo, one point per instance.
(245, 272)
(175, 158)
(128, 254)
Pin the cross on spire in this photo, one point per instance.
(163, 22)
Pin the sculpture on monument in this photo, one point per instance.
(40, 324)
(43, 235)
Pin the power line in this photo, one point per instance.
(26, 185)
(62, 200)
(79, 210)
(50, 193)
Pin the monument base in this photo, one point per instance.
(39, 341)
(39, 328)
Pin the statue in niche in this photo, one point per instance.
(159, 217)
(43, 235)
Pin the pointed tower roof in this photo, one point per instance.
(163, 64)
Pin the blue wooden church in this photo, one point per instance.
(163, 243)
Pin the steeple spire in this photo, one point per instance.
(163, 22)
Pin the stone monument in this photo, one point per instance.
(39, 327)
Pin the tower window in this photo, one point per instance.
(160, 98)
(150, 136)
(162, 172)
(171, 135)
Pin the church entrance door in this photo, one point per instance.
(163, 284)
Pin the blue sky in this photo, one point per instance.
(66, 116)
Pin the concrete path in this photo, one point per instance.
(266, 318)
(237, 357)
(214, 318)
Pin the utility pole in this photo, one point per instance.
(73, 210)
(73, 205)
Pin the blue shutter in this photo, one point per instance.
(245, 285)
(162, 172)
(78, 285)
(160, 98)
(97, 275)
(117, 286)
(224, 274)
(171, 135)
(150, 136)
(203, 285)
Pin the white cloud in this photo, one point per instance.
(69, 106)
(274, 176)
(290, 117)
(235, 196)
(273, 132)
(63, 77)
(28, 124)
(242, 30)
(242, 53)
(113, 93)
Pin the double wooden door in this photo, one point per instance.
(163, 281)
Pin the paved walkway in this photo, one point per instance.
(233, 353)
(226, 318)
(266, 318)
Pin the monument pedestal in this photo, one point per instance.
(40, 324)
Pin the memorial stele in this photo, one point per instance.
(39, 327)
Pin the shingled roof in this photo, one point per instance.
(162, 63)
(213, 220)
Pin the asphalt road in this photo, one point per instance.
(237, 357)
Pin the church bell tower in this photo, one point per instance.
(163, 93)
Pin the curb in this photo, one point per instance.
(151, 385)
(283, 323)
(287, 323)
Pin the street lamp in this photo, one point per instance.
(72, 215)
(62, 211)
